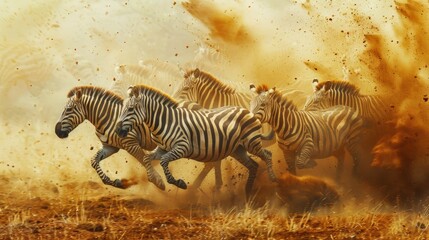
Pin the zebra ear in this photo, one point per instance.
(130, 91)
(78, 94)
(197, 72)
(252, 88)
(315, 83)
(135, 92)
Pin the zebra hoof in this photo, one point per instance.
(181, 184)
(160, 185)
(157, 181)
(218, 187)
(118, 183)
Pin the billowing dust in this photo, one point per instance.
(47, 47)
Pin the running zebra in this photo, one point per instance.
(102, 108)
(202, 88)
(203, 135)
(331, 93)
(305, 135)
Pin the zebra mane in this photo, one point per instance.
(283, 101)
(209, 79)
(277, 97)
(341, 86)
(156, 94)
(261, 88)
(91, 90)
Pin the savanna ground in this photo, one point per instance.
(87, 211)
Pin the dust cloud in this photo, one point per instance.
(49, 46)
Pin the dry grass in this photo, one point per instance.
(116, 217)
(237, 222)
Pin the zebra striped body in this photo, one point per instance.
(331, 93)
(306, 135)
(203, 135)
(202, 88)
(102, 108)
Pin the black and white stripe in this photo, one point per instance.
(203, 135)
(331, 93)
(209, 92)
(102, 108)
(306, 135)
(202, 88)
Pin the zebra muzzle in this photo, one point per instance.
(121, 130)
(60, 133)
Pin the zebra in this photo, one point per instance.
(206, 90)
(205, 135)
(102, 108)
(305, 135)
(372, 108)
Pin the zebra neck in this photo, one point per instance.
(157, 116)
(279, 117)
(339, 98)
(100, 113)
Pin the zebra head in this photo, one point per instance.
(131, 115)
(72, 116)
(259, 104)
(187, 90)
(320, 97)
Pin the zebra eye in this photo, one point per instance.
(131, 109)
(69, 109)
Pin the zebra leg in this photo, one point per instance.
(340, 155)
(354, 148)
(207, 167)
(289, 157)
(105, 152)
(266, 155)
(165, 160)
(303, 159)
(146, 160)
(242, 157)
(218, 175)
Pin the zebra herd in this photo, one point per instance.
(207, 121)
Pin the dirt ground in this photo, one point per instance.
(113, 216)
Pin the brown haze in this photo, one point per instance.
(49, 46)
